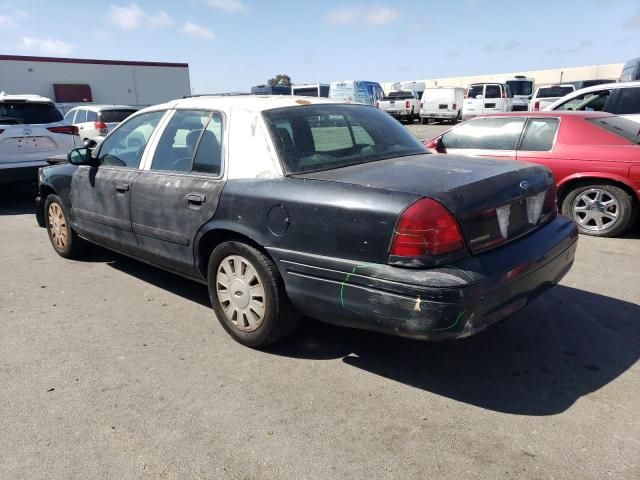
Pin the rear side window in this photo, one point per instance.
(539, 134)
(18, 113)
(497, 133)
(622, 127)
(628, 101)
(81, 116)
(551, 92)
(474, 91)
(208, 157)
(115, 116)
(92, 116)
(493, 91)
(592, 101)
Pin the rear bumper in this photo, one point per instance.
(448, 115)
(435, 304)
(20, 172)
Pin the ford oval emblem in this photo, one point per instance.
(524, 185)
(27, 131)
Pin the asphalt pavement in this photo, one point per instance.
(113, 369)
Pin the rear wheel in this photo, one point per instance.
(248, 296)
(600, 210)
(64, 239)
(424, 121)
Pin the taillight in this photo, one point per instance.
(550, 207)
(504, 94)
(67, 129)
(407, 104)
(421, 104)
(377, 104)
(101, 126)
(454, 106)
(426, 228)
(465, 96)
(536, 106)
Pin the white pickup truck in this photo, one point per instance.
(401, 104)
(545, 96)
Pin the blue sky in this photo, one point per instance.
(231, 45)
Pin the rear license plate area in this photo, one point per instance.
(489, 105)
(443, 106)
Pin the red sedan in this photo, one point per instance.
(594, 156)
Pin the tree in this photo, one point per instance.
(280, 79)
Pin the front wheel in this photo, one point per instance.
(599, 209)
(63, 238)
(248, 296)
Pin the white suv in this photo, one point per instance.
(31, 130)
(97, 120)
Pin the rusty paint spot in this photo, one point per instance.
(303, 102)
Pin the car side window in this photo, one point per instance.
(81, 116)
(92, 116)
(590, 102)
(125, 146)
(539, 134)
(208, 158)
(177, 145)
(493, 133)
(69, 116)
(628, 101)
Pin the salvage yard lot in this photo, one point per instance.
(114, 369)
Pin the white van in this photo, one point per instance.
(484, 98)
(521, 88)
(442, 103)
(360, 91)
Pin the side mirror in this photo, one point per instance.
(81, 156)
(530, 97)
(436, 144)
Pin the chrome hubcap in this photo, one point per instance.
(241, 293)
(57, 226)
(596, 210)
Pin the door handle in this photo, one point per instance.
(196, 198)
(122, 187)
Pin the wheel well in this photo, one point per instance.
(578, 182)
(213, 238)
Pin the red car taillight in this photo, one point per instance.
(407, 104)
(426, 228)
(421, 104)
(454, 106)
(100, 126)
(67, 129)
(550, 207)
(536, 106)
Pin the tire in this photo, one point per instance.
(253, 319)
(64, 240)
(424, 121)
(601, 210)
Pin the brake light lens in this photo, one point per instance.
(421, 104)
(426, 228)
(67, 129)
(504, 94)
(454, 106)
(407, 104)
(536, 106)
(550, 207)
(100, 126)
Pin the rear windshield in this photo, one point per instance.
(322, 137)
(620, 126)
(115, 116)
(18, 113)
(550, 92)
(399, 96)
(475, 90)
(520, 87)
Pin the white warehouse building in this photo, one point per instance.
(71, 81)
(542, 77)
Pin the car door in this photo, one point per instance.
(495, 137)
(538, 143)
(178, 192)
(101, 195)
(80, 121)
(474, 101)
(493, 101)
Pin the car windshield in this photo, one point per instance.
(115, 116)
(520, 87)
(322, 137)
(550, 92)
(399, 96)
(620, 126)
(30, 113)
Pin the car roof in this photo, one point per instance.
(99, 108)
(601, 86)
(255, 103)
(551, 113)
(4, 97)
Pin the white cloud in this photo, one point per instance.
(195, 30)
(21, 14)
(161, 20)
(234, 6)
(130, 17)
(633, 22)
(44, 46)
(371, 16)
(6, 21)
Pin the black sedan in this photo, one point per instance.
(286, 206)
